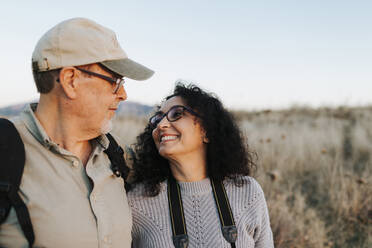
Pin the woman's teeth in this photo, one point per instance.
(165, 138)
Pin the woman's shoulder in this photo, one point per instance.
(246, 182)
(136, 190)
(148, 212)
(138, 193)
(248, 190)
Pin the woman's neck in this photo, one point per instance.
(189, 168)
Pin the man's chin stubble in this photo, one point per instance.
(107, 126)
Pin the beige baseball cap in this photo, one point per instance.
(80, 41)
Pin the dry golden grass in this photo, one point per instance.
(315, 167)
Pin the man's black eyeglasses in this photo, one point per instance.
(119, 82)
(173, 114)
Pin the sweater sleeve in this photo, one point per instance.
(264, 236)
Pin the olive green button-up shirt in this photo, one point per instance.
(70, 205)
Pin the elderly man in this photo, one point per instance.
(72, 196)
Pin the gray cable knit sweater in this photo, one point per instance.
(152, 226)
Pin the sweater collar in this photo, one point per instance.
(193, 188)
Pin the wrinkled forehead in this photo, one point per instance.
(167, 104)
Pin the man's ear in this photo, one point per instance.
(68, 81)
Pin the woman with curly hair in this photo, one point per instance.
(191, 178)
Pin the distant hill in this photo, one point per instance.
(12, 110)
(125, 108)
(134, 108)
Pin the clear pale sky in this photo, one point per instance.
(252, 54)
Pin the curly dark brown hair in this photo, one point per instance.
(228, 156)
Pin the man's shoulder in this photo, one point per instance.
(17, 121)
(18, 124)
(24, 132)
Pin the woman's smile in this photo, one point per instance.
(166, 138)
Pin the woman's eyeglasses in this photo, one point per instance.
(173, 114)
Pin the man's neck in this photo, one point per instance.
(64, 130)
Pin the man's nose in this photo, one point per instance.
(122, 94)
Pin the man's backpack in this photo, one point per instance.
(12, 155)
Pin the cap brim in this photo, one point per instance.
(129, 68)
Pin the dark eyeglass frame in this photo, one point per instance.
(118, 82)
(158, 116)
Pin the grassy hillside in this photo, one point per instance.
(315, 167)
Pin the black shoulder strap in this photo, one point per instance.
(180, 238)
(116, 156)
(12, 155)
(228, 226)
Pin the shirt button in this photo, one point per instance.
(75, 163)
(107, 239)
(94, 198)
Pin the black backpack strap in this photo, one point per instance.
(116, 156)
(12, 155)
